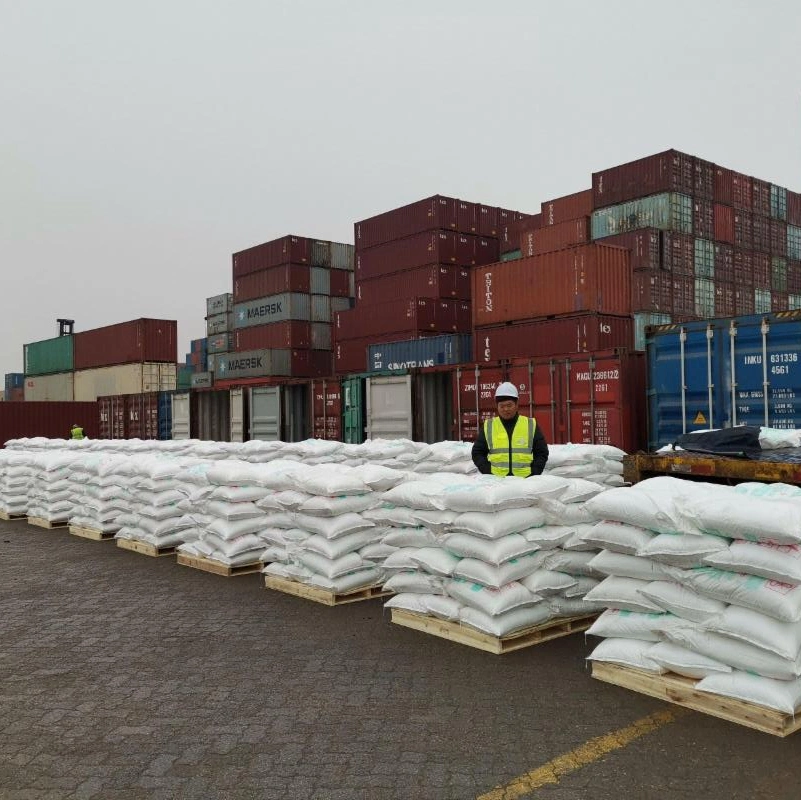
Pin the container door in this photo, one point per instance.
(433, 399)
(389, 407)
(265, 413)
(180, 415)
(295, 413)
(353, 410)
(237, 415)
(165, 415)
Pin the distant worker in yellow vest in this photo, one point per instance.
(76, 432)
(510, 444)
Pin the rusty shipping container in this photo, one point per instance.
(761, 271)
(326, 394)
(761, 233)
(704, 219)
(289, 334)
(430, 214)
(436, 281)
(467, 217)
(644, 246)
(113, 417)
(488, 224)
(51, 420)
(594, 398)
(286, 250)
(670, 171)
(743, 230)
(778, 237)
(570, 207)
(678, 253)
(417, 314)
(437, 247)
(793, 208)
(760, 197)
(724, 223)
(741, 191)
(704, 179)
(651, 291)
(579, 333)
(724, 299)
(534, 242)
(594, 277)
(743, 267)
(142, 413)
(341, 283)
(724, 262)
(274, 280)
(127, 342)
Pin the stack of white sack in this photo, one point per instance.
(228, 523)
(100, 487)
(704, 581)
(163, 493)
(16, 468)
(50, 492)
(497, 555)
(320, 532)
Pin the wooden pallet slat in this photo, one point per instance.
(681, 691)
(216, 567)
(91, 533)
(144, 548)
(41, 522)
(462, 634)
(4, 515)
(324, 596)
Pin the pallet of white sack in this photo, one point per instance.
(217, 567)
(324, 596)
(91, 533)
(50, 524)
(681, 691)
(12, 517)
(463, 634)
(145, 548)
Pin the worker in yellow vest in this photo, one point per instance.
(76, 432)
(510, 444)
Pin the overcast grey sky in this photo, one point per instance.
(143, 143)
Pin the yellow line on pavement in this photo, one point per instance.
(591, 751)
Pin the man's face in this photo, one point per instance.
(507, 409)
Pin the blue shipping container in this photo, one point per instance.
(432, 351)
(724, 372)
(15, 380)
(165, 415)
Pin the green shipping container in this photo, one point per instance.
(704, 258)
(353, 410)
(778, 274)
(49, 356)
(670, 211)
(183, 378)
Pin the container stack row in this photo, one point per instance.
(285, 295)
(197, 359)
(412, 274)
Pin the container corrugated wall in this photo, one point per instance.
(124, 379)
(668, 211)
(49, 388)
(417, 353)
(138, 340)
(49, 356)
(276, 308)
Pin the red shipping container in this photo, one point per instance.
(142, 412)
(326, 409)
(580, 333)
(569, 207)
(126, 343)
(290, 334)
(437, 280)
(113, 417)
(724, 223)
(670, 171)
(793, 208)
(591, 277)
(743, 267)
(644, 246)
(704, 219)
(15, 395)
(485, 251)
(743, 299)
(510, 239)
(778, 237)
(274, 280)
(678, 253)
(779, 301)
(286, 250)
(743, 230)
(467, 217)
(684, 295)
(761, 233)
(724, 299)
(704, 179)
(340, 283)
(760, 202)
(51, 420)
(488, 221)
(794, 277)
(741, 191)
(652, 291)
(423, 249)
(724, 262)
(433, 213)
(762, 271)
(417, 314)
(723, 186)
(556, 237)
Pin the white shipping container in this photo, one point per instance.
(52, 388)
(124, 379)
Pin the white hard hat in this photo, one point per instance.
(506, 389)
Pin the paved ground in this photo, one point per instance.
(125, 676)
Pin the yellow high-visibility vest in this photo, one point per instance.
(77, 433)
(498, 446)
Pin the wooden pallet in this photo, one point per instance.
(681, 691)
(324, 596)
(215, 567)
(41, 522)
(456, 632)
(145, 548)
(12, 517)
(90, 533)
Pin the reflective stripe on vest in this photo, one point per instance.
(498, 446)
